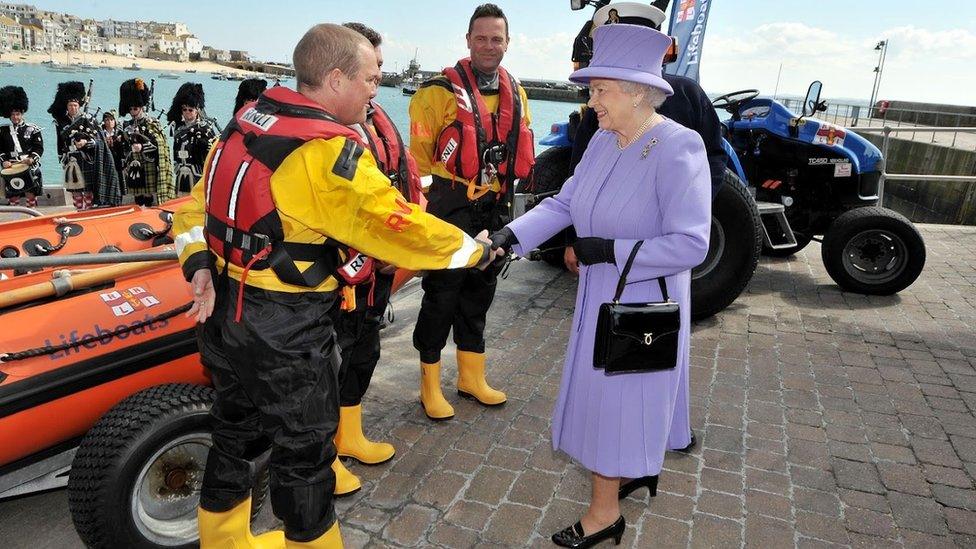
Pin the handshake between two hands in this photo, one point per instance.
(496, 253)
(500, 243)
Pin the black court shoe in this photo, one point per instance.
(573, 536)
(628, 487)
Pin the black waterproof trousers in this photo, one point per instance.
(276, 376)
(457, 298)
(358, 334)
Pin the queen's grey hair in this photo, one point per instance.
(653, 97)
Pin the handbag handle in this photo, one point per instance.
(623, 276)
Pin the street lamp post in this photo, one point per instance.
(882, 47)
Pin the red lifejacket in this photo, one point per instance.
(243, 225)
(480, 141)
(392, 156)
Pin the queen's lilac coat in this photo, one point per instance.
(658, 190)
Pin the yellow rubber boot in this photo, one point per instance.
(351, 442)
(435, 405)
(331, 539)
(471, 379)
(346, 482)
(232, 530)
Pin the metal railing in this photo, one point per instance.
(863, 116)
(30, 212)
(887, 131)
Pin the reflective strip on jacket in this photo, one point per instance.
(358, 208)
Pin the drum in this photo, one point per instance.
(18, 180)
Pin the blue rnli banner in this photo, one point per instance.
(687, 25)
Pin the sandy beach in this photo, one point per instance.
(116, 61)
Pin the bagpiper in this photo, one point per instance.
(193, 134)
(249, 90)
(112, 133)
(146, 167)
(89, 171)
(21, 147)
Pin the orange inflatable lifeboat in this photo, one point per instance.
(118, 229)
(101, 386)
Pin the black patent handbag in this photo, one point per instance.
(637, 337)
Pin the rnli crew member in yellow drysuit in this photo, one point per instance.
(473, 201)
(288, 194)
(358, 323)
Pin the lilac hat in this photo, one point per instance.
(627, 52)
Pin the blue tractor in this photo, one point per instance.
(827, 180)
(791, 179)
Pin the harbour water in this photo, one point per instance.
(40, 84)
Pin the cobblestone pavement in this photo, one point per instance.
(824, 419)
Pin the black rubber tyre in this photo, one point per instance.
(733, 250)
(873, 250)
(135, 480)
(550, 172)
(801, 242)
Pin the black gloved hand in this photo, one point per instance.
(503, 238)
(591, 250)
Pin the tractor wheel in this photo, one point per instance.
(135, 480)
(733, 250)
(873, 250)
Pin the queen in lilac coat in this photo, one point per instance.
(618, 425)
(656, 188)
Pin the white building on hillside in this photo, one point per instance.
(18, 11)
(169, 43)
(11, 34)
(124, 29)
(192, 45)
(53, 36)
(128, 46)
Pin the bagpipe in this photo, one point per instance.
(79, 161)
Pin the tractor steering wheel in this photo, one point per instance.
(732, 101)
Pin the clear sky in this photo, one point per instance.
(931, 57)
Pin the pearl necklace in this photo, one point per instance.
(640, 131)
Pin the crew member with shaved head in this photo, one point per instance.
(290, 207)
